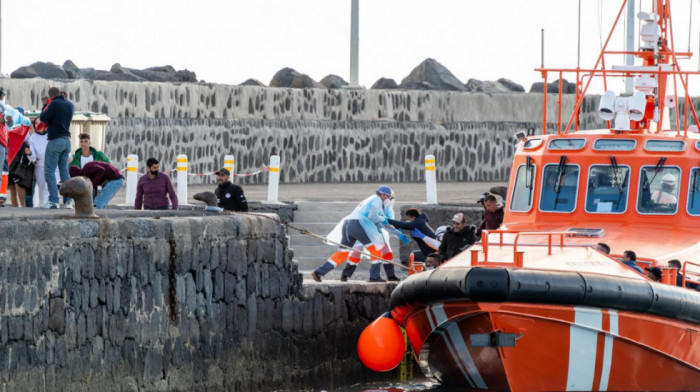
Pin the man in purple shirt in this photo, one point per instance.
(154, 188)
(101, 174)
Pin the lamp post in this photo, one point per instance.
(354, 38)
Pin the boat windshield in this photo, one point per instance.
(694, 192)
(658, 190)
(521, 200)
(559, 188)
(608, 187)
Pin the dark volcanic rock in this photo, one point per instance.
(283, 77)
(252, 82)
(384, 84)
(511, 85)
(110, 77)
(305, 81)
(74, 72)
(553, 87)
(333, 81)
(418, 85)
(288, 77)
(40, 70)
(475, 85)
(434, 74)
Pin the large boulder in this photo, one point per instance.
(553, 87)
(112, 76)
(40, 70)
(125, 73)
(333, 81)
(418, 85)
(252, 82)
(283, 77)
(435, 74)
(511, 85)
(384, 84)
(74, 72)
(289, 77)
(478, 86)
(164, 73)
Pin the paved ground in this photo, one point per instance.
(448, 192)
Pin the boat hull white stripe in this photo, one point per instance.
(583, 344)
(607, 351)
(464, 356)
(457, 346)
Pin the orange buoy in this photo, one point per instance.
(381, 345)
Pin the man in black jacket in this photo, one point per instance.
(230, 196)
(457, 238)
(416, 220)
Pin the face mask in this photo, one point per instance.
(154, 172)
(388, 203)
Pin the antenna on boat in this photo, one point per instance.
(629, 41)
(578, 57)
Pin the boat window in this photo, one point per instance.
(664, 145)
(608, 188)
(532, 144)
(614, 145)
(559, 188)
(697, 145)
(658, 190)
(694, 192)
(521, 199)
(566, 144)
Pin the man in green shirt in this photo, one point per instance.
(87, 153)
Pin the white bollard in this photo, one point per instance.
(182, 179)
(228, 163)
(132, 178)
(430, 181)
(273, 179)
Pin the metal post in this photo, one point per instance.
(228, 163)
(629, 59)
(132, 166)
(274, 179)
(182, 179)
(354, 41)
(430, 181)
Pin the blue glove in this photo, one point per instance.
(403, 238)
(417, 234)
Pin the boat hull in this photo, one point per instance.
(542, 347)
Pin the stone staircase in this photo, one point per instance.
(320, 218)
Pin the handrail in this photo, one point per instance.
(517, 255)
(685, 263)
(561, 235)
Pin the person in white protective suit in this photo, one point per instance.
(362, 226)
(386, 230)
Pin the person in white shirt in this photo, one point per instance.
(37, 144)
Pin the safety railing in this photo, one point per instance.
(518, 255)
(685, 276)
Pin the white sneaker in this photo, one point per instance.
(49, 204)
(69, 205)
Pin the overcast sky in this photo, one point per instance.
(229, 41)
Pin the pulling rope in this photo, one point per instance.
(311, 234)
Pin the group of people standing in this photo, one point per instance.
(37, 150)
(38, 155)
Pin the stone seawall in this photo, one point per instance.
(186, 302)
(322, 151)
(321, 135)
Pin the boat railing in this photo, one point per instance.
(518, 255)
(685, 276)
